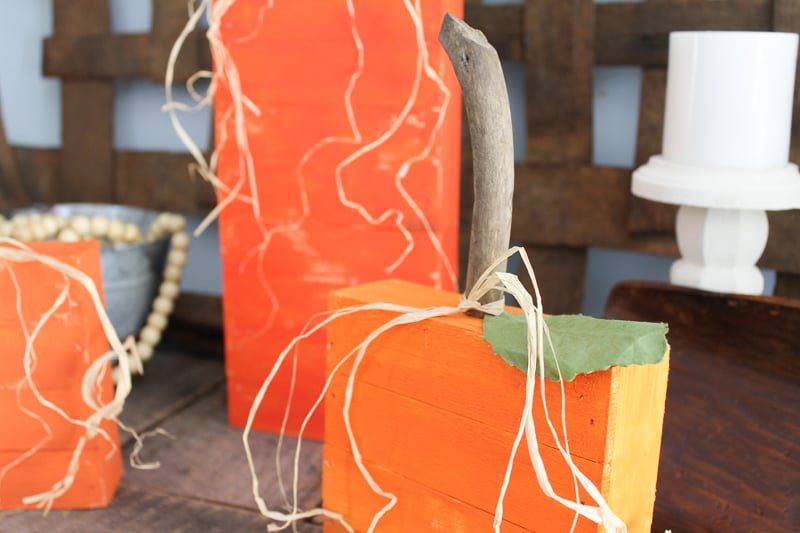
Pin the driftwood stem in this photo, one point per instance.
(478, 69)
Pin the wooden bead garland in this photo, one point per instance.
(43, 226)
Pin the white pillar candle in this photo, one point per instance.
(729, 99)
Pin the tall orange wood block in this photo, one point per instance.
(36, 442)
(353, 122)
(434, 412)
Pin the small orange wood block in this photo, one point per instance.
(64, 349)
(435, 412)
(354, 138)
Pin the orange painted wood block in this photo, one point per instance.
(64, 348)
(435, 411)
(355, 157)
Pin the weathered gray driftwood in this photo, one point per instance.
(480, 74)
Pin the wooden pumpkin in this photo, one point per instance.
(435, 412)
(348, 147)
(31, 461)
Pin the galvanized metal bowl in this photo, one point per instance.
(131, 272)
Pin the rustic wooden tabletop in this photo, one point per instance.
(203, 483)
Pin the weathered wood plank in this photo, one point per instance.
(189, 376)
(140, 509)
(729, 456)
(571, 206)
(169, 19)
(646, 216)
(786, 17)
(560, 275)
(161, 180)
(87, 160)
(96, 56)
(502, 25)
(781, 252)
(39, 168)
(588, 206)
(13, 191)
(560, 63)
(638, 33)
(206, 460)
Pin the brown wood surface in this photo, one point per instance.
(560, 273)
(203, 483)
(12, 187)
(730, 456)
(100, 55)
(87, 161)
(646, 216)
(169, 19)
(638, 33)
(39, 168)
(502, 25)
(163, 181)
(560, 61)
(786, 17)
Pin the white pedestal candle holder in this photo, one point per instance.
(727, 126)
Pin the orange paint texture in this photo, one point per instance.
(64, 348)
(434, 413)
(355, 167)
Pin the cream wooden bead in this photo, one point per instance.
(157, 321)
(6, 228)
(145, 351)
(177, 257)
(177, 223)
(181, 240)
(20, 220)
(116, 231)
(150, 335)
(22, 233)
(173, 273)
(50, 225)
(99, 226)
(68, 235)
(37, 229)
(169, 289)
(132, 233)
(162, 305)
(81, 224)
(116, 374)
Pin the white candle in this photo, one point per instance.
(729, 99)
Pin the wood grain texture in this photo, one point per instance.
(485, 97)
(139, 509)
(731, 442)
(433, 407)
(169, 19)
(646, 216)
(786, 17)
(502, 25)
(638, 33)
(560, 61)
(560, 273)
(206, 448)
(162, 180)
(13, 191)
(87, 161)
(39, 169)
(98, 55)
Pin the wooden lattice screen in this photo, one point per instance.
(563, 203)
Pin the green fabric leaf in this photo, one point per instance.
(583, 344)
